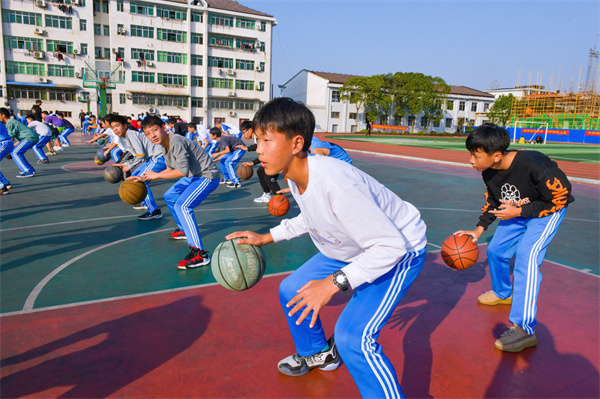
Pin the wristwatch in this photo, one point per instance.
(340, 279)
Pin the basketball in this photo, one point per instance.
(101, 157)
(279, 205)
(132, 192)
(245, 172)
(238, 267)
(113, 174)
(460, 252)
(97, 161)
(101, 141)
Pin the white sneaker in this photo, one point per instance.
(264, 198)
(57, 148)
(66, 145)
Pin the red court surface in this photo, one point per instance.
(209, 342)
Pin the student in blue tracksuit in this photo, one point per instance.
(6, 147)
(26, 137)
(328, 149)
(228, 157)
(191, 134)
(147, 156)
(69, 128)
(198, 176)
(45, 135)
(230, 129)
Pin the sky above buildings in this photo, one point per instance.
(479, 44)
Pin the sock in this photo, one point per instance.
(326, 348)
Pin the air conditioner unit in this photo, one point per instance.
(76, 2)
(231, 113)
(130, 96)
(121, 31)
(259, 26)
(231, 94)
(149, 64)
(40, 3)
(152, 110)
(38, 54)
(77, 74)
(38, 31)
(75, 51)
(258, 69)
(230, 72)
(115, 51)
(43, 80)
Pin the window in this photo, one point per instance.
(196, 16)
(423, 121)
(461, 106)
(97, 52)
(23, 43)
(97, 29)
(244, 84)
(335, 96)
(61, 94)
(449, 105)
(27, 68)
(473, 107)
(24, 92)
(120, 8)
(436, 124)
(142, 99)
(411, 120)
(197, 38)
(82, 24)
(486, 106)
(244, 64)
(219, 41)
(262, 66)
(261, 86)
(197, 102)
(61, 70)
(335, 115)
(171, 13)
(57, 45)
(56, 21)
(196, 59)
(105, 6)
(222, 20)
(141, 8)
(197, 81)
(84, 48)
(220, 83)
(174, 58)
(172, 79)
(244, 105)
(171, 35)
(352, 115)
(448, 122)
(244, 23)
(220, 103)
(120, 53)
(220, 62)
(106, 52)
(245, 44)
(96, 5)
(22, 17)
(172, 101)
(105, 30)
(142, 31)
(142, 54)
(142, 77)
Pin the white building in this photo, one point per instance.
(519, 91)
(320, 92)
(203, 60)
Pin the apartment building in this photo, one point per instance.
(320, 92)
(204, 60)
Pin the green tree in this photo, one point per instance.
(368, 93)
(499, 112)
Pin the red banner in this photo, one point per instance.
(550, 131)
(388, 127)
(592, 132)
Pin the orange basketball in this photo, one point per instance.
(132, 192)
(245, 172)
(279, 205)
(460, 252)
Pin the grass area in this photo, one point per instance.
(586, 153)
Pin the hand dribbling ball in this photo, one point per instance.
(132, 192)
(460, 252)
(101, 157)
(279, 205)
(245, 172)
(113, 174)
(238, 267)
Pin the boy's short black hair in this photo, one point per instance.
(171, 120)
(30, 116)
(488, 138)
(191, 124)
(5, 112)
(60, 114)
(215, 131)
(151, 120)
(120, 119)
(286, 116)
(245, 125)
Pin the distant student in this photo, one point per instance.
(529, 193)
(148, 156)
(203, 136)
(191, 133)
(198, 177)
(228, 157)
(6, 147)
(26, 137)
(69, 128)
(213, 145)
(267, 182)
(328, 149)
(93, 126)
(44, 136)
(368, 239)
(179, 128)
(36, 111)
(231, 130)
(54, 121)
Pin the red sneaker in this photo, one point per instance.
(195, 258)
(177, 235)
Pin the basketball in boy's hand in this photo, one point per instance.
(97, 161)
(132, 192)
(279, 205)
(113, 174)
(101, 157)
(101, 141)
(460, 252)
(238, 267)
(245, 172)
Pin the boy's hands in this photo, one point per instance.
(314, 295)
(248, 164)
(140, 179)
(475, 234)
(243, 147)
(123, 166)
(505, 212)
(250, 237)
(283, 191)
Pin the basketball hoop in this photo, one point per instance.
(104, 82)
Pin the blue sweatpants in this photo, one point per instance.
(212, 147)
(6, 148)
(155, 165)
(63, 136)
(115, 154)
(38, 149)
(182, 197)
(228, 163)
(527, 239)
(358, 327)
(18, 154)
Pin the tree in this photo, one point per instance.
(368, 93)
(499, 112)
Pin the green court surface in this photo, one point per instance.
(587, 153)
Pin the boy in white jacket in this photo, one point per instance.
(368, 240)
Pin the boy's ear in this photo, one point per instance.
(298, 144)
(497, 156)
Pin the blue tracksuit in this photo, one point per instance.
(6, 147)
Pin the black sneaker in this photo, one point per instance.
(4, 191)
(233, 185)
(297, 365)
(195, 258)
(223, 181)
(157, 214)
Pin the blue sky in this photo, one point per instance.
(469, 43)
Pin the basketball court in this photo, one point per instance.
(92, 304)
